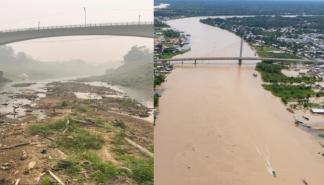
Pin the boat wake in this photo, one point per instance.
(265, 154)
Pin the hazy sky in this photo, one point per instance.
(26, 14)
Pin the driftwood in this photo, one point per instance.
(50, 138)
(13, 146)
(17, 181)
(55, 177)
(86, 123)
(18, 133)
(148, 153)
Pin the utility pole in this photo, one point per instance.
(241, 49)
(139, 18)
(38, 24)
(85, 16)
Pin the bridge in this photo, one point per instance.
(133, 29)
(240, 58)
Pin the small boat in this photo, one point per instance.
(304, 181)
(290, 110)
(274, 173)
(305, 117)
(298, 122)
(255, 74)
(305, 125)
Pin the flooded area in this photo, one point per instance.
(217, 125)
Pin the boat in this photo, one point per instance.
(298, 122)
(304, 181)
(305, 125)
(274, 173)
(290, 110)
(255, 74)
(305, 117)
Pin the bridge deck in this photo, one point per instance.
(144, 29)
(239, 58)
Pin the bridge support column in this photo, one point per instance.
(195, 62)
(240, 60)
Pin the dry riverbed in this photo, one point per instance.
(106, 132)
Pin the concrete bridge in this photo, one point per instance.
(240, 59)
(132, 29)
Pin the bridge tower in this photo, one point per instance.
(241, 49)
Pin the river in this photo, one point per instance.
(217, 125)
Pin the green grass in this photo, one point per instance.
(139, 170)
(129, 102)
(313, 105)
(264, 52)
(64, 104)
(45, 130)
(290, 93)
(83, 140)
(166, 56)
(103, 171)
(158, 80)
(272, 73)
(46, 181)
(156, 100)
(321, 135)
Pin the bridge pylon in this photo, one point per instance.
(241, 49)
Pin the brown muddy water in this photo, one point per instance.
(217, 125)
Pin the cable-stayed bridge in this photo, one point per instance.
(230, 52)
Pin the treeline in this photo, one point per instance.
(305, 23)
(160, 24)
(192, 8)
(171, 33)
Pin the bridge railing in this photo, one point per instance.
(77, 26)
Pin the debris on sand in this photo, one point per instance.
(23, 84)
(24, 156)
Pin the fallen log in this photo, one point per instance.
(18, 133)
(148, 153)
(13, 146)
(17, 181)
(82, 121)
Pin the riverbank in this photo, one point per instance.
(79, 122)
